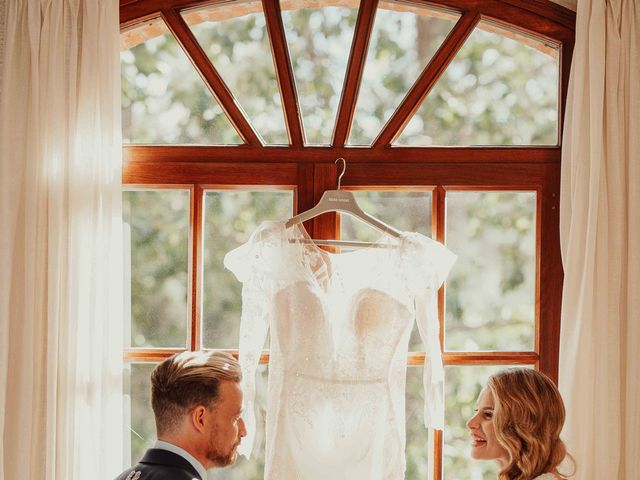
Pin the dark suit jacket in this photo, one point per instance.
(158, 464)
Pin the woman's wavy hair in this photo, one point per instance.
(528, 416)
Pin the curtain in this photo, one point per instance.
(61, 304)
(600, 241)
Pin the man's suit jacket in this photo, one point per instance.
(158, 464)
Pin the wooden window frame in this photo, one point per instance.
(310, 170)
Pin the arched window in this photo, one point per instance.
(448, 114)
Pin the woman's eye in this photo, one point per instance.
(488, 415)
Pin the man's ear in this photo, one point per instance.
(198, 417)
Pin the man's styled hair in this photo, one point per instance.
(186, 380)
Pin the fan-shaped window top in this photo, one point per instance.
(497, 86)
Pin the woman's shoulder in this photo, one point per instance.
(546, 476)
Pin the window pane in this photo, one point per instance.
(252, 469)
(157, 231)
(463, 385)
(142, 426)
(239, 49)
(165, 101)
(403, 40)
(405, 210)
(490, 296)
(418, 453)
(500, 89)
(319, 42)
(230, 219)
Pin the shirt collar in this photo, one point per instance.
(170, 447)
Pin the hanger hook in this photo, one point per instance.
(344, 169)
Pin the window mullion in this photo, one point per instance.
(325, 226)
(195, 266)
(438, 219)
(355, 68)
(304, 194)
(284, 71)
(550, 276)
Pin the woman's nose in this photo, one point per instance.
(471, 423)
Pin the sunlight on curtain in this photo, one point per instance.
(600, 234)
(60, 240)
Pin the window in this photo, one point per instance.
(449, 117)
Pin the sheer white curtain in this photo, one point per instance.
(600, 235)
(60, 240)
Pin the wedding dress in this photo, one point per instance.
(340, 327)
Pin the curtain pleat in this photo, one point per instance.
(600, 234)
(61, 307)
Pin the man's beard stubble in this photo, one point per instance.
(218, 458)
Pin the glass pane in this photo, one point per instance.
(500, 89)
(230, 219)
(490, 296)
(463, 385)
(319, 42)
(417, 452)
(164, 100)
(142, 427)
(239, 48)
(157, 231)
(403, 40)
(405, 210)
(252, 469)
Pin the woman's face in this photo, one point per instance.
(484, 445)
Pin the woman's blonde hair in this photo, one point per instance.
(528, 416)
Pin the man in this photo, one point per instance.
(197, 403)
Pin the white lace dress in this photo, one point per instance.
(340, 327)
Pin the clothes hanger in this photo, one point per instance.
(341, 201)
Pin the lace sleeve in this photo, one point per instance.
(249, 263)
(428, 264)
(426, 305)
(254, 324)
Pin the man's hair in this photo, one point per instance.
(528, 417)
(186, 380)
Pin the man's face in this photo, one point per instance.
(227, 427)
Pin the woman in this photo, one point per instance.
(517, 423)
